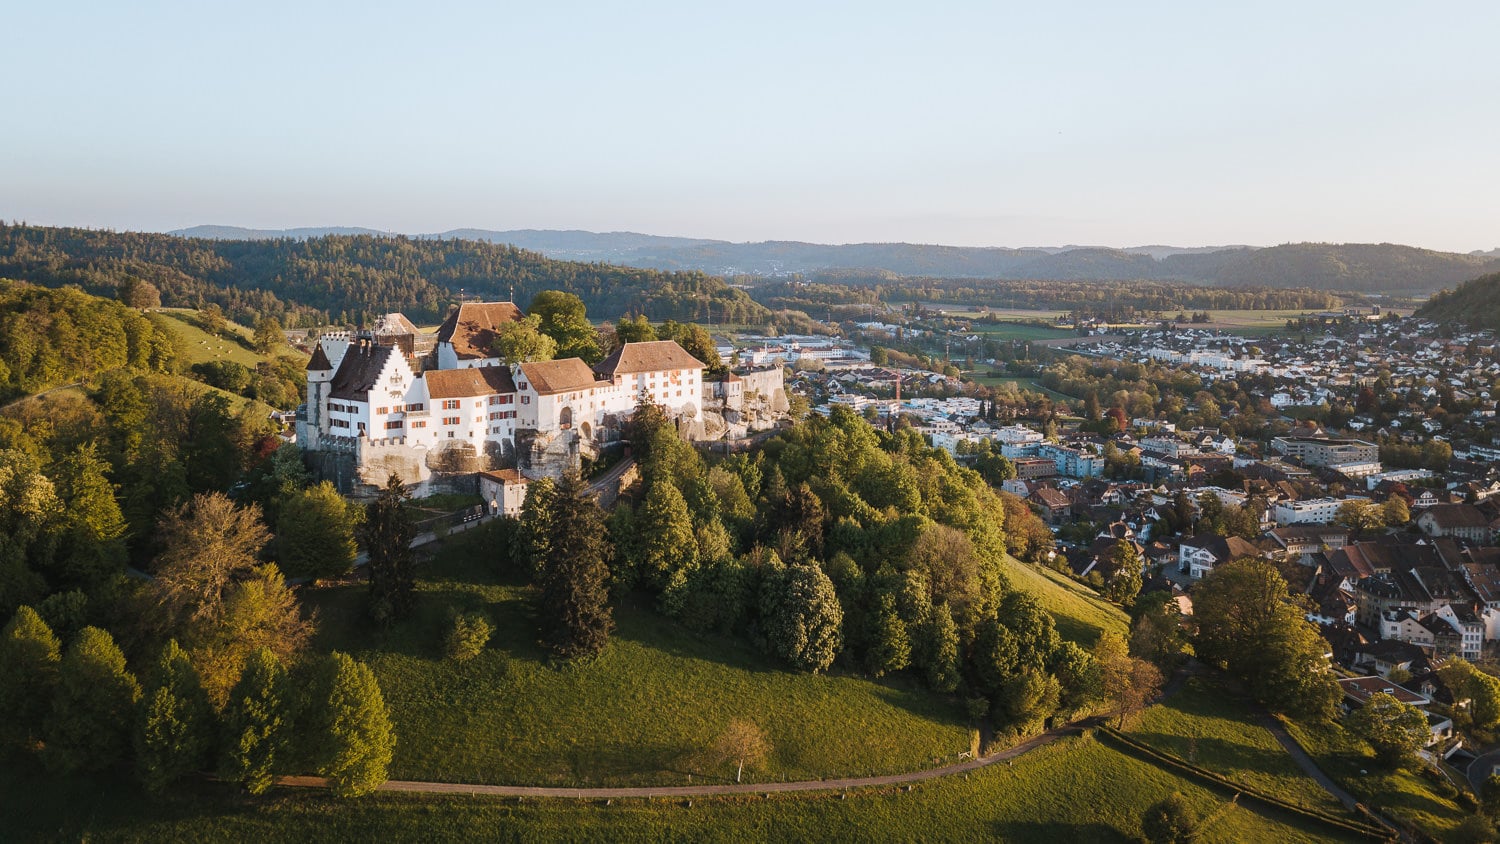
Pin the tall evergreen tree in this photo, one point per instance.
(349, 726)
(174, 729)
(89, 726)
(387, 533)
(890, 645)
(29, 656)
(532, 545)
(666, 551)
(574, 611)
(256, 724)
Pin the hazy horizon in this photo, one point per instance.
(963, 125)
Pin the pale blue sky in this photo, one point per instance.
(980, 123)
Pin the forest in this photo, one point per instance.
(1474, 303)
(856, 295)
(352, 279)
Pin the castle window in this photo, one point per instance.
(450, 404)
(382, 410)
(419, 424)
(394, 424)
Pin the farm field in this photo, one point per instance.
(1075, 790)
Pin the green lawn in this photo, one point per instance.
(1081, 614)
(1020, 382)
(1077, 790)
(1020, 331)
(1404, 795)
(639, 714)
(1213, 729)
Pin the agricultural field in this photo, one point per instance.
(201, 347)
(1075, 790)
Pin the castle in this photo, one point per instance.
(385, 401)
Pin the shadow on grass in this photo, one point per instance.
(1055, 832)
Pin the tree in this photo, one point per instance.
(532, 545)
(522, 341)
(1170, 821)
(889, 647)
(634, 330)
(1394, 729)
(575, 615)
(315, 533)
(211, 317)
(1489, 795)
(29, 656)
(349, 726)
(1481, 690)
(563, 318)
(801, 617)
(140, 294)
(695, 340)
(742, 743)
(666, 551)
(92, 547)
(1029, 699)
(1081, 677)
(89, 726)
(1157, 636)
(387, 533)
(1359, 516)
(256, 724)
(1247, 625)
(468, 633)
(937, 652)
(1129, 683)
(879, 356)
(1395, 512)
(261, 611)
(174, 729)
(268, 335)
(1125, 579)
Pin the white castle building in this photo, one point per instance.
(368, 396)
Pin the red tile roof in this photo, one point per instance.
(470, 327)
(558, 376)
(652, 356)
(473, 381)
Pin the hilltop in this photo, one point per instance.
(1361, 267)
(352, 278)
(1475, 303)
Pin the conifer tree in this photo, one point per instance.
(89, 726)
(667, 551)
(174, 730)
(349, 726)
(387, 534)
(29, 656)
(256, 724)
(938, 656)
(575, 613)
(533, 538)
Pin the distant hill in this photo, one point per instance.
(351, 279)
(241, 233)
(1474, 303)
(1362, 267)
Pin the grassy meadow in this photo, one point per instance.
(1080, 613)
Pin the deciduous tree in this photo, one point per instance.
(315, 533)
(742, 743)
(257, 724)
(801, 617)
(522, 341)
(349, 725)
(1394, 729)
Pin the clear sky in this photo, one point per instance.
(989, 123)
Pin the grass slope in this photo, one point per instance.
(1405, 796)
(201, 347)
(1081, 615)
(1075, 790)
(1211, 728)
(639, 714)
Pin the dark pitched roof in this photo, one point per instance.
(473, 381)
(319, 362)
(1224, 548)
(359, 370)
(558, 376)
(470, 327)
(652, 356)
(1454, 516)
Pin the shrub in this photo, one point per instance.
(468, 633)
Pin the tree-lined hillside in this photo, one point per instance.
(54, 337)
(349, 279)
(1475, 303)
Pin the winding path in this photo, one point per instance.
(1009, 753)
(1310, 767)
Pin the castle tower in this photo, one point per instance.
(319, 377)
